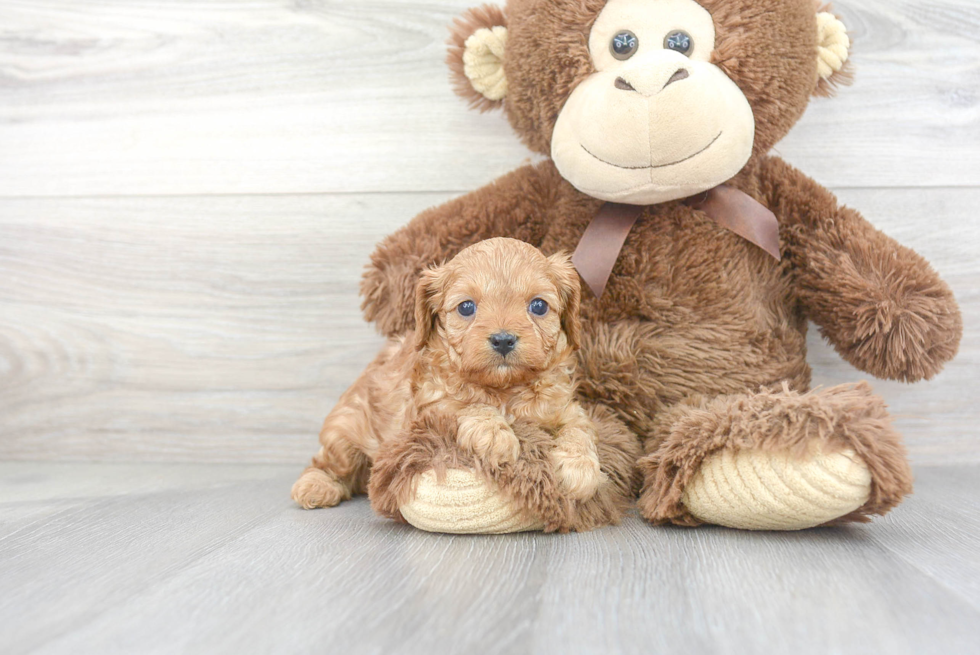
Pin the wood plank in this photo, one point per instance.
(66, 570)
(32, 494)
(192, 97)
(220, 325)
(224, 328)
(151, 572)
(939, 533)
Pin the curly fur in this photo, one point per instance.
(444, 397)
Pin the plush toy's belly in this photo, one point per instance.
(690, 309)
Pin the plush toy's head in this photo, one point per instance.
(645, 101)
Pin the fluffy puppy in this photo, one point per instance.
(496, 332)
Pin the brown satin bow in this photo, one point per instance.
(735, 210)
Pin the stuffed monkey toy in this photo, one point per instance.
(704, 257)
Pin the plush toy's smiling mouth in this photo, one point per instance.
(644, 168)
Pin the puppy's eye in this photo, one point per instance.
(538, 307)
(679, 41)
(466, 308)
(623, 45)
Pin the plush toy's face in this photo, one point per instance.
(657, 120)
(645, 101)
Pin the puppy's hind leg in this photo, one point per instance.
(341, 468)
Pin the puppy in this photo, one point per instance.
(496, 332)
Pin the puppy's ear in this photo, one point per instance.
(569, 291)
(428, 298)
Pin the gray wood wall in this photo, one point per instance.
(189, 189)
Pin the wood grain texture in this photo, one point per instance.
(183, 327)
(193, 97)
(224, 329)
(232, 567)
(216, 326)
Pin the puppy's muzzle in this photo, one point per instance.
(503, 342)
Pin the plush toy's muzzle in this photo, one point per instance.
(658, 127)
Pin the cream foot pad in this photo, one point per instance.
(464, 504)
(761, 490)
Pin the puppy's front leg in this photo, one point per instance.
(575, 457)
(484, 431)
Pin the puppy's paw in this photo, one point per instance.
(577, 465)
(317, 488)
(489, 437)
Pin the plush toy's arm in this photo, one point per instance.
(511, 206)
(881, 305)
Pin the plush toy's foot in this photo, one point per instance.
(775, 461)
(759, 490)
(425, 480)
(465, 503)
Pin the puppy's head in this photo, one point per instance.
(500, 311)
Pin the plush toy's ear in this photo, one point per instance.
(476, 57)
(833, 45)
(428, 298)
(570, 294)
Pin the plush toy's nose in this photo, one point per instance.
(503, 342)
(654, 73)
(681, 74)
(651, 89)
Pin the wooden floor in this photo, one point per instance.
(100, 558)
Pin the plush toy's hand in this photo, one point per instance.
(513, 206)
(898, 332)
(388, 292)
(484, 432)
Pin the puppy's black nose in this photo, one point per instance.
(503, 342)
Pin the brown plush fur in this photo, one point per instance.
(446, 396)
(694, 316)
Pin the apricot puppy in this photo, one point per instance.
(496, 332)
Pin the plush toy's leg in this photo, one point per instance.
(340, 469)
(775, 460)
(425, 480)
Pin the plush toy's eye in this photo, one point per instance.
(679, 41)
(466, 308)
(538, 307)
(623, 45)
